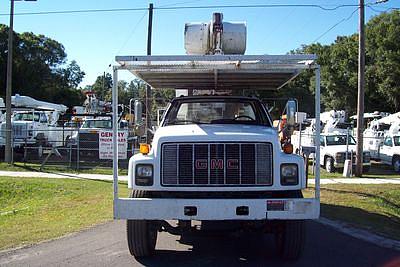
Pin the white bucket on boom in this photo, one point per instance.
(215, 37)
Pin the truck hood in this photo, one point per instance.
(21, 122)
(215, 133)
(341, 148)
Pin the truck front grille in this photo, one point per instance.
(18, 131)
(216, 164)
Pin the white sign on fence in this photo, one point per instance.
(106, 148)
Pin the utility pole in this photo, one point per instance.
(148, 88)
(104, 86)
(360, 99)
(7, 150)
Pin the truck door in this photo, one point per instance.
(42, 125)
(386, 150)
(322, 149)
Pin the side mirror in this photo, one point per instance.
(160, 115)
(138, 112)
(291, 108)
(123, 125)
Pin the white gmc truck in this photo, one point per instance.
(216, 158)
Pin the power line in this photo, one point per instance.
(325, 8)
(335, 25)
(130, 35)
(383, 10)
(132, 32)
(181, 3)
(370, 5)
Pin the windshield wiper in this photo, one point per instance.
(184, 121)
(233, 121)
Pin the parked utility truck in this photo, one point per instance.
(216, 159)
(389, 151)
(34, 122)
(337, 143)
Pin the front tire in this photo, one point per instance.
(329, 165)
(396, 164)
(141, 234)
(366, 169)
(291, 239)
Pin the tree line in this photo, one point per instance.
(339, 70)
(41, 70)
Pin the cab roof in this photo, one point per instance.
(214, 97)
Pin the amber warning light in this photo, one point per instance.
(287, 148)
(144, 149)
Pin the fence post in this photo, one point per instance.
(70, 154)
(12, 145)
(25, 151)
(78, 149)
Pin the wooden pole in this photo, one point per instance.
(8, 150)
(148, 88)
(360, 100)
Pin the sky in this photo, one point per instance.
(94, 39)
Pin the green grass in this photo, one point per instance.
(377, 170)
(372, 207)
(33, 167)
(36, 209)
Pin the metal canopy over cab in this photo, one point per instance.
(217, 72)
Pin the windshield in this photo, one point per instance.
(72, 124)
(234, 111)
(336, 140)
(383, 127)
(26, 117)
(396, 140)
(106, 124)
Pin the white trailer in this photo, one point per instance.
(168, 187)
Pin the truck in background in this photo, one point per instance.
(35, 123)
(389, 152)
(336, 141)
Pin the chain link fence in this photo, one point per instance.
(70, 147)
(67, 146)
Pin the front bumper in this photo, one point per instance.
(214, 209)
(16, 142)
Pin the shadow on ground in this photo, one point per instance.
(253, 249)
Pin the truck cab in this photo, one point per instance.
(29, 127)
(335, 149)
(389, 152)
(85, 139)
(216, 143)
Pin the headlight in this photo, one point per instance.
(289, 174)
(367, 157)
(144, 175)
